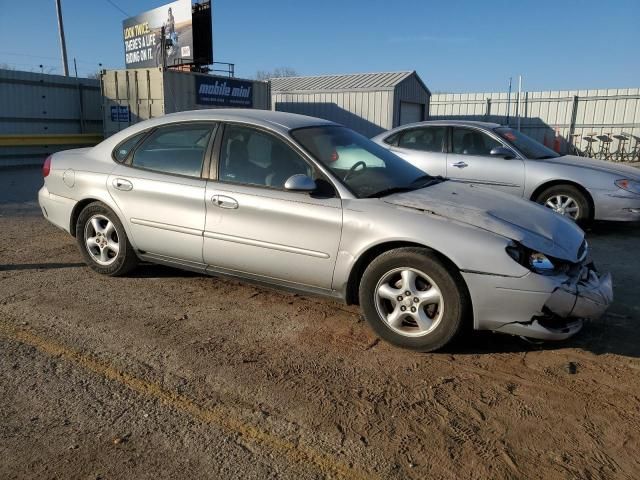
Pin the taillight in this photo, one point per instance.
(46, 166)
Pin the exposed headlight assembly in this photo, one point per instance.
(632, 186)
(535, 261)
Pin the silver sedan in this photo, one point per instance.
(305, 204)
(502, 158)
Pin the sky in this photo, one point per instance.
(454, 45)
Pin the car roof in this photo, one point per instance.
(459, 123)
(267, 118)
(281, 122)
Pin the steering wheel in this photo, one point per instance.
(353, 169)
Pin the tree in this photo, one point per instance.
(276, 73)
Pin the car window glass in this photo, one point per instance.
(121, 152)
(177, 149)
(423, 139)
(466, 141)
(365, 167)
(528, 146)
(252, 157)
(393, 139)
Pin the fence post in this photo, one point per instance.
(81, 105)
(574, 113)
(488, 110)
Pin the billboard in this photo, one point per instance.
(143, 40)
(223, 92)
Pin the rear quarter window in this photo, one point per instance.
(121, 152)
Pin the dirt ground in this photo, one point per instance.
(168, 374)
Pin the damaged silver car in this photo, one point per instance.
(308, 205)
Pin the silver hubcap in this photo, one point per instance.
(102, 240)
(409, 302)
(564, 205)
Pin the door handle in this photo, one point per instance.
(223, 201)
(122, 184)
(459, 164)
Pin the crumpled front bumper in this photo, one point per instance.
(587, 297)
(539, 306)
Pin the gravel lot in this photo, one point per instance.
(168, 374)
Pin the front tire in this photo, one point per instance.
(412, 300)
(103, 241)
(568, 201)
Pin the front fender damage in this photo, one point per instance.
(587, 296)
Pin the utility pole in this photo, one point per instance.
(509, 103)
(519, 99)
(63, 44)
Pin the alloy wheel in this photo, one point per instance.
(101, 239)
(564, 205)
(409, 302)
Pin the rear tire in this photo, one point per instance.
(103, 241)
(568, 201)
(411, 299)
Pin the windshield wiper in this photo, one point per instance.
(427, 180)
(546, 157)
(390, 191)
(411, 187)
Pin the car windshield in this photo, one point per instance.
(529, 147)
(365, 167)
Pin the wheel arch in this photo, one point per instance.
(77, 209)
(554, 183)
(81, 204)
(366, 257)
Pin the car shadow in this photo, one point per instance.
(613, 334)
(613, 228)
(152, 270)
(39, 266)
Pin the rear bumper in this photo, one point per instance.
(55, 208)
(537, 306)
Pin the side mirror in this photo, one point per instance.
(300, 183)
(503, 152)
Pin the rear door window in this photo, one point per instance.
(176, 149)
(429, 139)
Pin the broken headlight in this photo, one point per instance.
(535, 261)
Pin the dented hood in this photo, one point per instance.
(534, 226)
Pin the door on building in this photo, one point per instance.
(411, 112)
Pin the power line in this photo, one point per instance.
(117, 7)
(79, 60)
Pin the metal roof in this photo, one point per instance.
(357, 81)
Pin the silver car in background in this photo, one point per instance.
(305, 204)
(503, 158)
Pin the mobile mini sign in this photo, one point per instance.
(223, 92)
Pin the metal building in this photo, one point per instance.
(368, 103)
(132, 95)
(41, 114)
